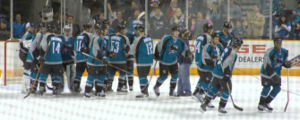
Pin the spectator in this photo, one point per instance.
(4, 33)
(192, 26)
(178, 18)
(119, 19)
(199, 24)
(75, 30)
(297, 19)
(239, 30)
(158, 24)
(235, 10)
(154, 5)
(19, 27)
(171, 9)
(134, 6)
(283, 28)
(215, 15)
(297, 31)
(256, 23)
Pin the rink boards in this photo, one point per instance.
(249, 60)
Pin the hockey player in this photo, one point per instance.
(96, 68)
(226, 35)
(274, 59)
(209, 57)
(166, 52)
(201, 41)
(50, 58)
(81, 45)
(118, 47)
(142, 49)
(68, 56)
(33, 55)
(25, 44)
(222, 76)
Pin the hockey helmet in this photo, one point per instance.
(237, 42)
(215, 34)
(207, 27)
(139, 27)
(227, 24)
(175, 28)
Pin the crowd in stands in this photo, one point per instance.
(165, 13)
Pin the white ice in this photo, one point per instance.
(246, 93)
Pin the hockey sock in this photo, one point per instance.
(262, 100)
(88, 88)
(207, 100)
(222, 103)
(172, 88)
(196, 91)
(275, 91)
(269, 99)
(130, 82)
(157, 84)
(42, 88)
(201, 91)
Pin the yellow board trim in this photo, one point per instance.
(236, 71)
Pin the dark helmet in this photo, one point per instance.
(139, 27)
(207, 27)
(100, 27)
(105, 22)
(237, 42)
(227, 24)
(277, 39)
(175, 28)
(215, 34)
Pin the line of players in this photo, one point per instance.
(104, 53)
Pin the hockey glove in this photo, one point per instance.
(41, 60)
(226, 77)
(287, 64)
(84, 50)
(276, 79)
(126, 48)
(111, 54)
(189, 55)
(104, 61)
(99, 56)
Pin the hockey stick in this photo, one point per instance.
(38, 72)
(107, 63)
(287, 92)
(234, 105)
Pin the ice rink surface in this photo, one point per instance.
(246, 93)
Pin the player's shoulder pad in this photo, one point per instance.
(284, 50)
(200, 37)
(221, 33)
